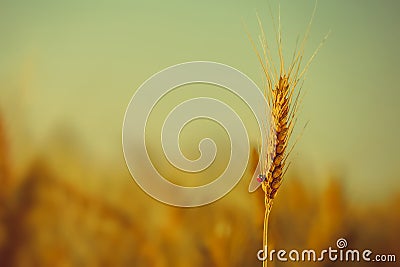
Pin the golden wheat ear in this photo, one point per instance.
(284, 96)
(283, 92)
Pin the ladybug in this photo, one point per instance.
(261, 178)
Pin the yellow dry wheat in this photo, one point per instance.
(283, 103)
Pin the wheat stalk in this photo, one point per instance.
(283, 100)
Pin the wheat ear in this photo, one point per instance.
(283, 103)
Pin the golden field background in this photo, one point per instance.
(90, 216)
(67, 73)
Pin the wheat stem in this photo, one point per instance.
(268, 205)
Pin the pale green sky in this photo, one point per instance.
(77, 63)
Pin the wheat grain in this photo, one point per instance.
(281, 103)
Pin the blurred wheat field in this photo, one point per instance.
(67, 72)
(47, 219)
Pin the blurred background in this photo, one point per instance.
(68, 71)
